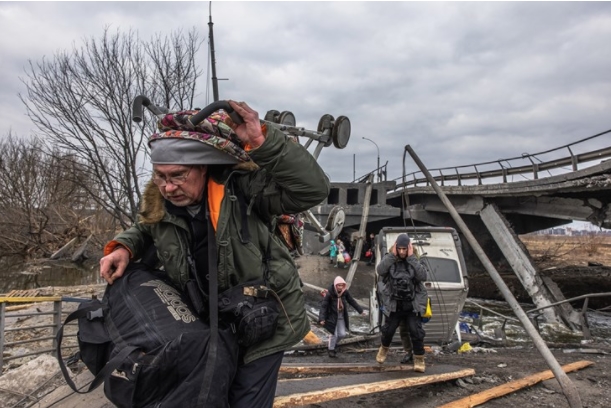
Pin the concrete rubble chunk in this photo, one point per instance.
(18, 383)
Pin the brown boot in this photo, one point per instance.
(419, 364)
(381, 357)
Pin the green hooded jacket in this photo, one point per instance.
(285, 180)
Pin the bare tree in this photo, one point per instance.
(41, 204)
(80, 101)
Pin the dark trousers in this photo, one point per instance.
(414, 324)
(254, 384)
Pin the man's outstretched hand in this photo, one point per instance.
(113, 265)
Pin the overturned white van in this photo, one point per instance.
(447, 283)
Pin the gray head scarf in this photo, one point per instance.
(187, 152)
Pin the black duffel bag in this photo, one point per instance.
(147, 346)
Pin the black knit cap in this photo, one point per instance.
(402, 241)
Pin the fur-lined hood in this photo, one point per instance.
(152, 206)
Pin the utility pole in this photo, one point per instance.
(215, 82)
(378, 149)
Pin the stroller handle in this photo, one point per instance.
(213, 107)
(142, 100)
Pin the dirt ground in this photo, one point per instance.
(493, 366)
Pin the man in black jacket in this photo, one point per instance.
(403, 297)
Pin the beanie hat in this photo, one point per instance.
(211, 141)
(402, 241)
(187, 152)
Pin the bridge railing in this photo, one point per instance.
(379, 173)
(501, 170)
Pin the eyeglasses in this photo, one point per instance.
(175, 180)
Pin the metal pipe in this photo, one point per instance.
(57, 320)
(42, 326)
(2, 327)
(28, 314)
(16, 343)
(568, 388)
(491, 311)
(570, 300)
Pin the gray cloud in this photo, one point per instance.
(459, 82)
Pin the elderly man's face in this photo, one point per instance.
(181, 185)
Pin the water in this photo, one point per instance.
(15, 276)
(19, 276)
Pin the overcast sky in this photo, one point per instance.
(459, 82)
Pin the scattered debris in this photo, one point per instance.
(585, 351)
(466, 347)
(24, 381)
(504, 389)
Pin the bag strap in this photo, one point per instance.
(110, 366)
(213, 294)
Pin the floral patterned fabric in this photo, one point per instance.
(212, 131)
(215, 132)
(290, 228)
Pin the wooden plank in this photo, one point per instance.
(308, 391)
(63, 250)
(507, 388)
(23, 293)
(18, 307)
(30, 299)
(343, 368)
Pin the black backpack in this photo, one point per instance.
(147, 346)
(401, 284)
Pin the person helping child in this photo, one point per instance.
(333, 315)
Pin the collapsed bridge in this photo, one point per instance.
(548, 192)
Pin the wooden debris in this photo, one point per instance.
(22, 296)
(17, 307)
(63, 250)
(23, 293)
(79, 254)
(30, 299)
(329, 394)
(343, 368)
(512, 386)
